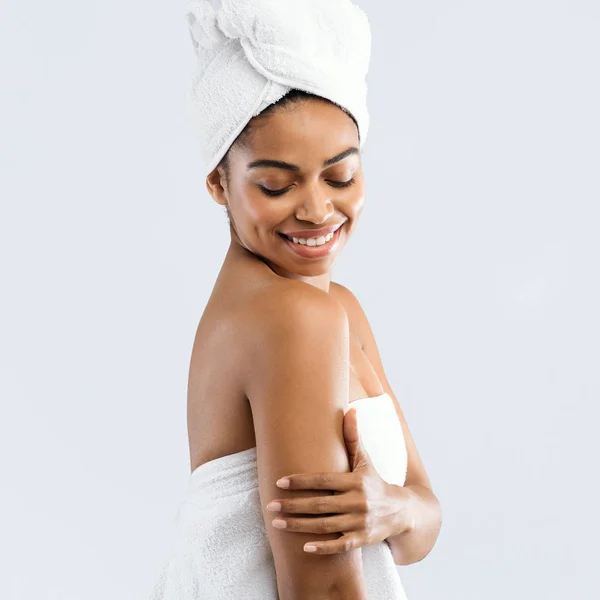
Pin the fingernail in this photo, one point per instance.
(274, 506)
(310, 548)
(279, 523)
(283, 483)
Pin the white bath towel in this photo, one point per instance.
(220, 546)
(252, 52)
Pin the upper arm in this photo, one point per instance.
(298, 389)
(416, 473)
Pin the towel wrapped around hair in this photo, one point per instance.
(250, 53)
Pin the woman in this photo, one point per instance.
(281, 351)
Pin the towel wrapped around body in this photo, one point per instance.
(220, 549)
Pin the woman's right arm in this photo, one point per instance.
(298, 388)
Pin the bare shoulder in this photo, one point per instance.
(280, 312)
(344, 295)
(292, 327)
(289, 324)
(297, 296)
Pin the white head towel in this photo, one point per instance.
(252, 52)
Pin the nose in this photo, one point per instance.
(315, 206)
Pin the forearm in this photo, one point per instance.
(425, 515)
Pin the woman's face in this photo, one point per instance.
(299, 174)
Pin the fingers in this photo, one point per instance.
(342, 544)
(335, 524)
(343, 503)
(340, 482)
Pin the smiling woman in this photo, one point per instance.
(295, 172)
(281, 351)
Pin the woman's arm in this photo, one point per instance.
(298, 387)
(413, 545)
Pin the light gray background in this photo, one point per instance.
(476, 260)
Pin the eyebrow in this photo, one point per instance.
(279, 164)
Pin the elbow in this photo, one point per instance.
(414, 550)
(403, 560)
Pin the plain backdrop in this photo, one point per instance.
(476, 260)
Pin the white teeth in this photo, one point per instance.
(313, 241)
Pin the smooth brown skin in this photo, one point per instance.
(280, 349)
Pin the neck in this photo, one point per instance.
(236, 250)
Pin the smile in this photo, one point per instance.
(311, 241)
(313, 247)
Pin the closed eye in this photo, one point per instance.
(336, 184)
(342, 183)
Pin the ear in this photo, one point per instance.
(216, 184)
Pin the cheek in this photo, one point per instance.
(354, 203)
(264, 214)
(260, 211)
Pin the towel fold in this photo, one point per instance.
(252, 52)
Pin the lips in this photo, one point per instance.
(314, 252)
(311, 233)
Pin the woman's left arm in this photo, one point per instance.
(413, 544)
(365, 508)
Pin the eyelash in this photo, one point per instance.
(336, 184)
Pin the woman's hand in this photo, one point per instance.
(365, 510)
